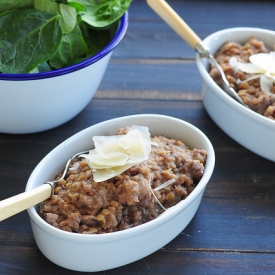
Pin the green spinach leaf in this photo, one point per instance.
(86, 4)
(72, 47)
(44, 67)
(68, 13)
(46, 5)
(103, 13)
(37, 34)
(15, 4)
(34, 39)
(97, 39)
(79, 7)
(68, 17)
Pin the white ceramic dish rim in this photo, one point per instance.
(141, 228)
(121, 31)
(219, 92)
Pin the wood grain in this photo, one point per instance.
(154, 71)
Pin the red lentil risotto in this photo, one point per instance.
(81, 205)
(250, 91)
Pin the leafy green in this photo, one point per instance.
(78, 6)
(15, 4)
(43, 35)
(72, 46)
(105, 12)
(44, 67)
(88, 4)
(68, 13)
(34, 39)
(98, 39)
(46, 5)
(68, 18)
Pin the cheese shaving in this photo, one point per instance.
(262, 65)
(157, 200)
(113, 155)
(164, 184)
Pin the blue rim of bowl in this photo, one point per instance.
(122, 28)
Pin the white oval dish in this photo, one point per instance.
(101, 252)
(37, 102)
(250, 129)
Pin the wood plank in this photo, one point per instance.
(154, 71)
(229, 225)
(221, 225)
(150, 79)
(240, 192)
(162, 262)
(149, 37)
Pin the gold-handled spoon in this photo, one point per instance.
(184, 31)
(20, 202)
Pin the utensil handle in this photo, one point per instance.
(20, 202)
(174, 21)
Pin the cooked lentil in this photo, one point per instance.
(250, 91)
(83, 206)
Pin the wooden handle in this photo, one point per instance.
(174, 21)
(18, 203)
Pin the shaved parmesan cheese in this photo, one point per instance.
(262, 66)
(108, 173)
(136, 145)
(107, 144)
(115, 154)
(250, 68)
(233, 62)
(264, 61)
(266, 84)
(99, 161)
(164, 184)
(158, 200)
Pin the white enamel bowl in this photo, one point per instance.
(101, 252)
(37, 102)
(253, 131)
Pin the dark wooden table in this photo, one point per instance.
(154, 71)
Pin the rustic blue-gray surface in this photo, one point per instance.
(154, 71)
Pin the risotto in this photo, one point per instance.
(250, 91)
(136, 196)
